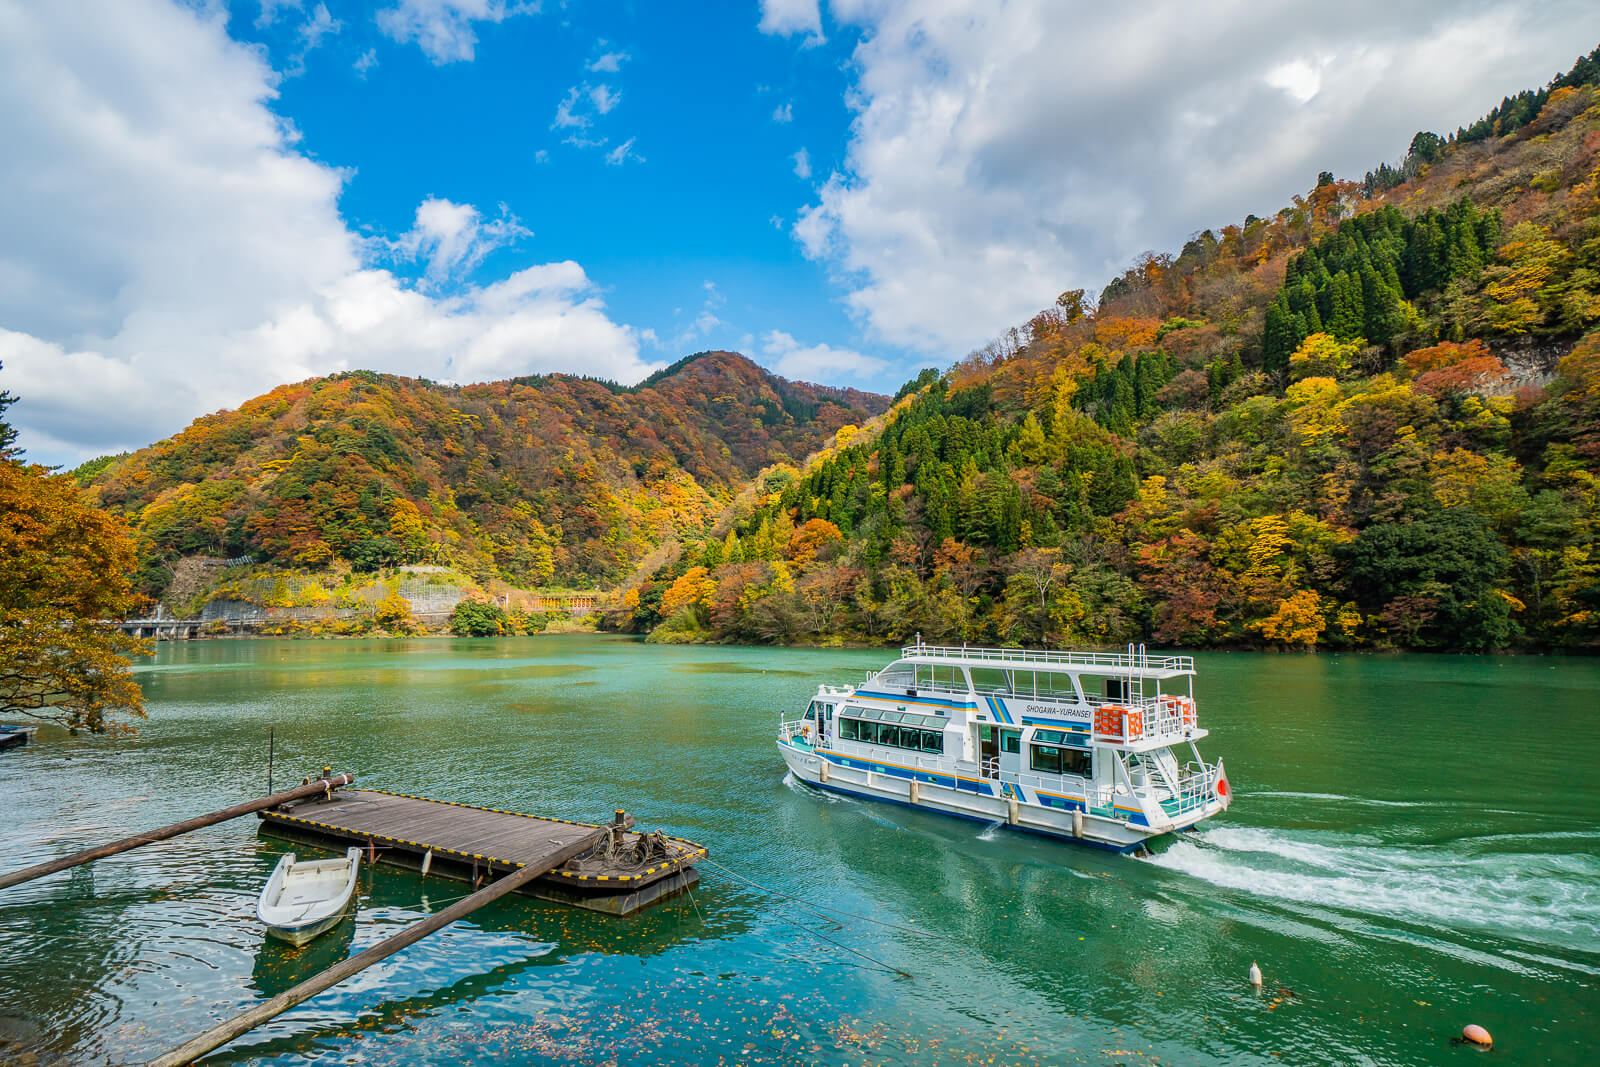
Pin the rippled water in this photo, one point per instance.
(1415, 845)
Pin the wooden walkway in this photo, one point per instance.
(626, 872)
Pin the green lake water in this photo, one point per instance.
(1414, 845)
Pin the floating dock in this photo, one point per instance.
(624, 872)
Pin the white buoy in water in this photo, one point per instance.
(1255, 974)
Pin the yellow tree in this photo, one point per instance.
(64, 571)
(692, 590)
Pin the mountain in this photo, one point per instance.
(1371, 419)
(535, 481)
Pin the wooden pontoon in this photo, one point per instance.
(626, 871)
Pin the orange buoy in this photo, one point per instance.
(1477, 1035)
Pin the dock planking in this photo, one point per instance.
(626, 872)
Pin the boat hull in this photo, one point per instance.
(299, 935)
(968, 799)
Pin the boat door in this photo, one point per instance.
(989, 751)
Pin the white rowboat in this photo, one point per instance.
(302, 900)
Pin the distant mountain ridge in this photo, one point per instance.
(554, 479)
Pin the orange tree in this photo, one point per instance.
(65, 567)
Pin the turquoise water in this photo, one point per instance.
(1415, 845)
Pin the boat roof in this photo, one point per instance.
(1136, 662)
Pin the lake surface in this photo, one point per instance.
(1415, 845)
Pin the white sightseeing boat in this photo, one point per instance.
(1089, 746)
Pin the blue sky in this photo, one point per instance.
(205, 200)
(714, 111)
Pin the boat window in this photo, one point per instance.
(1045, 758)
(811, 713)
(896, 676)
(939, 676)
(1076, 762)
(932, 741)
(1050, 759)
(990, 680)
(1055, 685)
(1010, 741)
(847, 729)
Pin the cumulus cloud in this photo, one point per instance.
(792, 359)
(783, 113)
(169, 252)
(1003, 152)
(802, 164)
(365, 62)
(443, 29)
(783, 18)
(451, 239)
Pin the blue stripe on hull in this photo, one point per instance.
(1036, 831)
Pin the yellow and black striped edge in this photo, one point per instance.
(691, 851)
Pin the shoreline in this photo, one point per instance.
(860, 645)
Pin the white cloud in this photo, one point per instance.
(1001, 153)
(568, 115)
(443, 29)
(169, 252)
(365, 62)
(790, 358)
(802, 164)
(542, 156)
(583, 104)
(1300, 78)
(783, 113)
(622, 153)
(783, 18)
(604, 98)
(609, 62)
(319, 24)
(270, 8)
(453, 239)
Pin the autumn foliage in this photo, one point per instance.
(64, 569)
(556, 480)
(1370, 420)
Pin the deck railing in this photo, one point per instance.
(1197, 787)
(1119, 662)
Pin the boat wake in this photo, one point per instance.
(1340, 798)
(1535, 894)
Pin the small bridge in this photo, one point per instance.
(578, 602)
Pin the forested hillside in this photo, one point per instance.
(1370, 420)
(550, 480)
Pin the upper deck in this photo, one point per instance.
(1135, 663)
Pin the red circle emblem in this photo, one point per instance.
(1222, 787)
